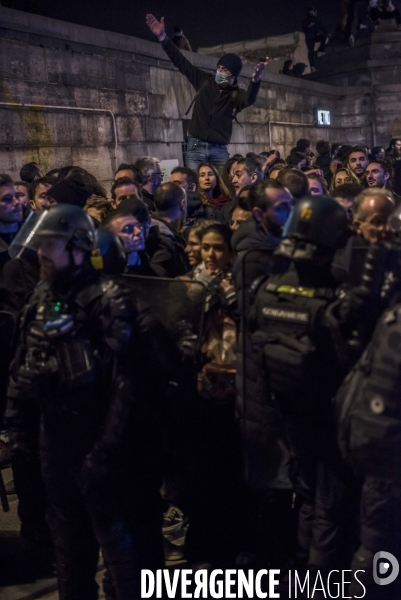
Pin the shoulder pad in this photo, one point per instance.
(255, 285)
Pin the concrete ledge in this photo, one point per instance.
(19, 21)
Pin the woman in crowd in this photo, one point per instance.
(216, 482)
(343, 175)
(194, 245)
(212, 190)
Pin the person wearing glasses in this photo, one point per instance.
(131, 222)
(152, 178)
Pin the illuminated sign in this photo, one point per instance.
(323, 118)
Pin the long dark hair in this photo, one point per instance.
(220, 186)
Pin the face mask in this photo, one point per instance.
(222, 79)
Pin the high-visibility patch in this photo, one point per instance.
(296, 291)
(285, 314)
(306, 213)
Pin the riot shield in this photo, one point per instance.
(174, 301)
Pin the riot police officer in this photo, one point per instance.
(75, 361)
(299, 372)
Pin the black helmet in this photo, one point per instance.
(63, 220)
(109, 253)
(316, 224)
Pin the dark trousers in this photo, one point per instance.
(327, 495)
(106, 515)
(28, 482)
(376, 14)
(359, 10)
(311, 47)
(380, 531)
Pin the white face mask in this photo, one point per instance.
(222, 79)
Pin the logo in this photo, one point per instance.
(385, 563)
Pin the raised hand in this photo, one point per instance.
(156, 27)
(258, 71)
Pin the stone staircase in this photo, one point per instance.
(374, 60)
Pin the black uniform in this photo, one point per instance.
(74, 362)
(298, 374)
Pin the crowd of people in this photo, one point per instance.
(225, 229)
(178, 346)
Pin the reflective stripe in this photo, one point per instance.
(297, 291)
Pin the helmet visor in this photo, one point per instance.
(32, 233)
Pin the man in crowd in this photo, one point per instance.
(38, 194)
(295, 181)
(314, 33)
(371, 211)
(123, 188)
(247, 172)
(165, 245)
(185, 177)
(217, 101)
(358, 160)
(378, 174)
(30, 172)
(152, 178)
(22, 193)
(131, 171)
(131, 222)
(324, 159)
(345, 194)
(10, 216)
(270, 204)
(393, 153)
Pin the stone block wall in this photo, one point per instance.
(46, 62)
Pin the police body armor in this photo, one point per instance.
(368, 403)
(58, 360)
(291, 334)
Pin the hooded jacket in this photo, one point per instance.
(214, 108)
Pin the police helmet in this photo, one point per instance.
(316, 223)
(108, 253)
(63, 220)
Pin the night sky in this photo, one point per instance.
(205, 22)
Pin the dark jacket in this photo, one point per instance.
(166, 250)
(313, 31)
(251, 237)
(149, 200)
(4, 256)
(143, 268)
(323, 162)
(255, 247)
(213, 111)
(19, 278)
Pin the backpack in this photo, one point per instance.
(368, 403)
(233, 97)
(291, 334)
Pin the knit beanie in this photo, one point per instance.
(232, 63)
(71, 190)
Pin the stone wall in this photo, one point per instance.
(50, 63)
